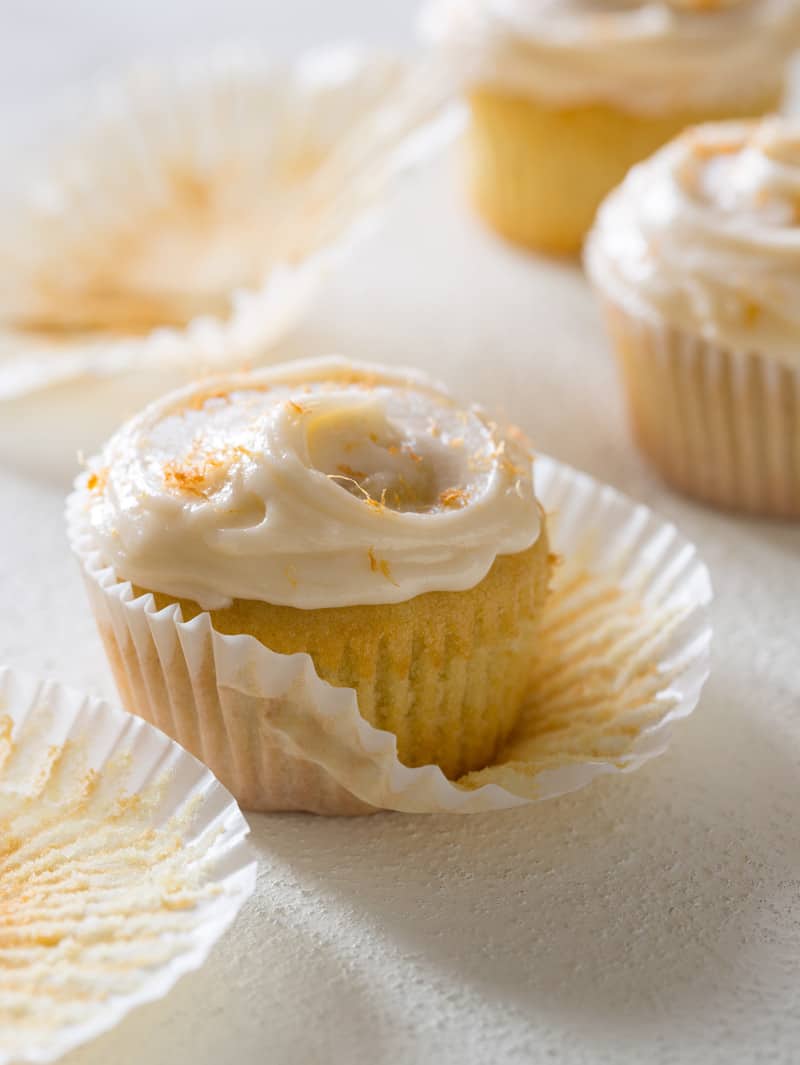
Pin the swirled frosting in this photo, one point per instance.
(706, 234)
(644, 56)
(316, 484)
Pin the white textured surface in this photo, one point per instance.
(654, 918)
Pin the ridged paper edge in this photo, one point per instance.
(231, 865)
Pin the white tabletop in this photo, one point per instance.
(650, 918)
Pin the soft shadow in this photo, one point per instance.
(633, 900)
(257, 999)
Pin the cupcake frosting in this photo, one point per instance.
(706, 234)
(317, 484)
(648, 56)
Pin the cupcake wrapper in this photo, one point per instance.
(318, 143)
(89, 797)
(720, 425)
(624, 652)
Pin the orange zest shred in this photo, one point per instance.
(348, 471)
(192, 478)
(376, 504)
(380, 565)
(453, 498)
(199, 401)
(196, 474)
(510, 468)
(704, 149)
(97, 480)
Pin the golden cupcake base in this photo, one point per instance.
(538, 173)
(445, 672)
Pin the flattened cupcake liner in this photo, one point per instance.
(188, 221)
(722, 426)
(122, 862)
(623, 654)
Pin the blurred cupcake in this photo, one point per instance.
(697, 260)
(567, 96)
(350, 513)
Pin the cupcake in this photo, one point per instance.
(697, 261)
(350, 513)
(566, 97)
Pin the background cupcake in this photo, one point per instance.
(347, 512)
(697, 259)
(567, 96)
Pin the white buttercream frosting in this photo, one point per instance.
(648, 56)
(706, 234)
(315, 484)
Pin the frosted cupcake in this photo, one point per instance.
(349, 512)
(566, 95)
(697, 260)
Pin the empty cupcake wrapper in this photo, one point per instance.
(186, 221)
(720, 425)
(623, 653)
(122, 862)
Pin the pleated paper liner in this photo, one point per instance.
(623, 654)
(722, 426)
(187, 219)
(122, 862)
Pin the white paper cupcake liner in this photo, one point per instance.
(122, 862)
(720, 425)
(187, 221)
(624, 652)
